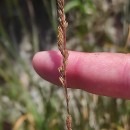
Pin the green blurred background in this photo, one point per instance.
(28, 102)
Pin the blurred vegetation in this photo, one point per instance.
(27, 102)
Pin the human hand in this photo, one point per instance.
(105, 74)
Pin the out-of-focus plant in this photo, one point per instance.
(50, 6)
(83, 6)
(17, 101)
(94, 22)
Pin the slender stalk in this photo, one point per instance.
(61, 40)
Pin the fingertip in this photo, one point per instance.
(46, 64)
(36, 60)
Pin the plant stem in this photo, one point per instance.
(61, 40)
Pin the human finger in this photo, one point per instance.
(99, 73)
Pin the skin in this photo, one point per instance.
(106, 74)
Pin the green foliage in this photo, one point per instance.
(83, 6)
(51, 10)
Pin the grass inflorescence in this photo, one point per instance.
(62, 47)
